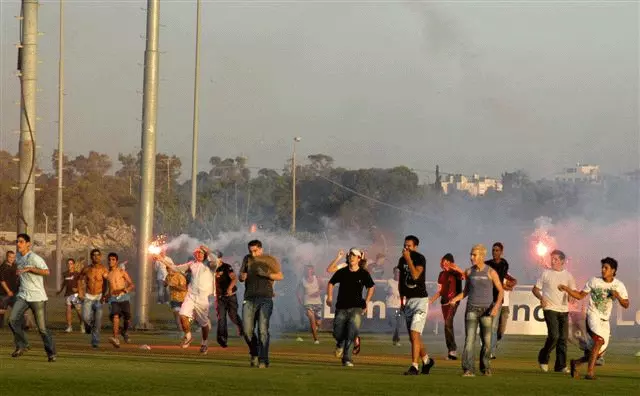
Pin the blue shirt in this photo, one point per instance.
(31, 285)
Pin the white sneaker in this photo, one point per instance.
(347, 364)
(397, 344)
(544, 367)
(317, 342)
(69, 329)
(565, 370)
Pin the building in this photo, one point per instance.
(589, 174)
(474, 186)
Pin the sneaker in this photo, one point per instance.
(397, 344)
(317, 342)
(115, 342)
(339, 352)
(51, 358)
(589, 377)
(412, 371)
(426, 367)
(185, 342)
(263, 365)
(600, 361)
(347, 364)
(493, 357)
(487, 373)
(254, 361)
(563, 371)
(18, 352)
(544, 367)
(126, 338)
(468, 374)
(356, 345)
(574, 369)
(69, 329)
(452, 357)
(204, 349)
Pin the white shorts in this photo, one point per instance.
(415, 312)
(196, 308)
(72, 300)
(599, 327)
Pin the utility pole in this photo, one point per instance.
(148, 164)
(293, 185)
(167, 162)
(27, 64)
(196, 83)
(60, 146)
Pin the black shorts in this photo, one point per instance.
(122, 309)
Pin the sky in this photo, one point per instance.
(474, 86)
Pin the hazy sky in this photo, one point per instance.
(473, 86)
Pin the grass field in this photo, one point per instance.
(297, 368)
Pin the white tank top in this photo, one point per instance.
(310, 288)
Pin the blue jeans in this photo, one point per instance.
(473, 317)
(346, 326)
(16, 319)
(92, 318)
(498, 327)
(258, 311)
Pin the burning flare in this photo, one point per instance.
(541, 249)
(157, 245)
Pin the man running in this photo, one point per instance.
(91, 288)
(120, 285)
(70, 287)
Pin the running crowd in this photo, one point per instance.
(486, 287)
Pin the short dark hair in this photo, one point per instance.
(24, 236)
(113, 255)
(413, 239)
(448, 257)
(96, 250)
(71, 259)
(613, 263)
(498, 244)
(217, 253)
(8, 253)
(255, 243)
(559, 253)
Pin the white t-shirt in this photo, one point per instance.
(161, 270)
(548, 283)
(393, 294)
(311, 288)
(202, 278)
(31, 285)
(600, 302)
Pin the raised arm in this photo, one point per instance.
(333, 266)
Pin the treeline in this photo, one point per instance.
(232, 195)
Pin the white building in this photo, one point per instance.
(475, 186)
(580, 174)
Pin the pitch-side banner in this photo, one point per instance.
(526, 315)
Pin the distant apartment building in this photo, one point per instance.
(580, 174)
(474, 186)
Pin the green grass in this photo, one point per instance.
(297, 368)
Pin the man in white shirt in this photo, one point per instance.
(161, 275)
(196, 303)
(603, 291)
(555, 304)
(31, 269)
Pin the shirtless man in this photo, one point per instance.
(91, 286)
(120, 285)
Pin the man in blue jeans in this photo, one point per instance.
(350, 305)
(92, 287)
(31, 295)
(259, 272)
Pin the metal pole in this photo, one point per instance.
(194, 148)
(293, 186)
(148, 164)
(28, 61)
(60, 146)
(46, 229)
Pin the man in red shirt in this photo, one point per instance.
(449, 286)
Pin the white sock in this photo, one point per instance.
(425, 359)
(415, 365)
(187, 335)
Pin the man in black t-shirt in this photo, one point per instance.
(226, 300)
(8, 284)
(501, 266)
(414, 302)
(350, 304)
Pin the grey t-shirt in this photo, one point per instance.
(257, 285)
